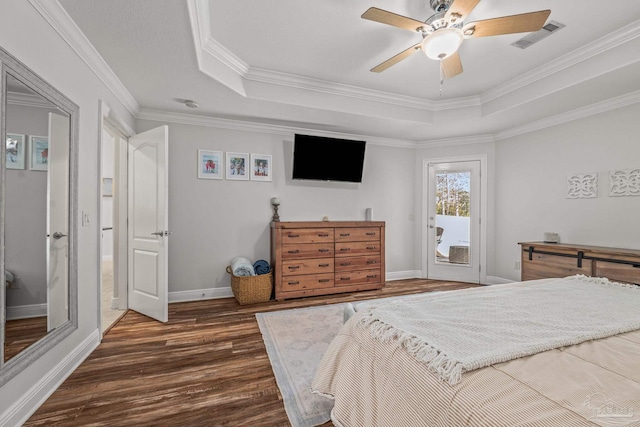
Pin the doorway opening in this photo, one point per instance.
(110, 293)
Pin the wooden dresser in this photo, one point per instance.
(542, 260)
(326, 257)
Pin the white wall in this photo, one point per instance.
(531, 185)
(215, 220)
(26, 35)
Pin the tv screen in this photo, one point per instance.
(327, 159)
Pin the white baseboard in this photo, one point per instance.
(200, 294)
(26, 311)
(18, 413)
(400, 275)
(495, 280)
(216, 293)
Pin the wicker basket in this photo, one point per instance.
(251, 289)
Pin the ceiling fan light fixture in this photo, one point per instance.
(442, 43)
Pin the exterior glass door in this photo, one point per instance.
(453, 221)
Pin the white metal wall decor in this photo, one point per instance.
(582, 186)
(624, 182)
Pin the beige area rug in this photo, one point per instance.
(296, 340)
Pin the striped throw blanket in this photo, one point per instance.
(459, 331)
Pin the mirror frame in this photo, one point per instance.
(12, 66)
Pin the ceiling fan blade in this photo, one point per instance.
(451, 66)
(523, 23)
(395, 59)
(461, 8)
(390, 18)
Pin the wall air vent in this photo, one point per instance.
(531, 38)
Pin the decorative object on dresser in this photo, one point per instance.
(275, 202)
(327, 257)
(542, 260)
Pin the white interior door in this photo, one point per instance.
(453, 221)
(57, 221)
(148, 241)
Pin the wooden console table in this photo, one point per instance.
(327, 257)
(542, 260)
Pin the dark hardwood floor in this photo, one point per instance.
(207, 366)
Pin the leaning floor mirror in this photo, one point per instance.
(38, 217)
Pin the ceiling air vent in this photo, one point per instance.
(531, 38)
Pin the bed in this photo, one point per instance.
(579, 367)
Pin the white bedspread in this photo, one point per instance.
(456, 332)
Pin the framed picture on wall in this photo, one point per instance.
(15, 158)
(261, 167)
(39, 153)
(237, 166)
(210, 164)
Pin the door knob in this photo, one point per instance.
(58, 235)
(431, 226)
(162, 233)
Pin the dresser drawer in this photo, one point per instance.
(360, 276)
(345, 249)
(296, 236)
(310, 250)
(307, 266)
(357, 263)
(357, 234)
(311, 281)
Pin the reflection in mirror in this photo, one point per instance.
(36, 195)
(38, 205)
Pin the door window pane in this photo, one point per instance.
(453, 210)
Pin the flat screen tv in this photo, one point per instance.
(327, 159)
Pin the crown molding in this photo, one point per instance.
(463, 140)
(569, 116)
(245, 126)
(610, 41)
(61, 22)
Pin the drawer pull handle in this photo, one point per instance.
(372, 261)
(323, 280)
(372, 276)
(294, 267)
(323, 250)
(294, 283)
(344, 264)
(345, 278)
(323, 265)
(323, 235)
(293, 235)
(371, 248)
(345, 249)
(294, 252)
(371, 234)
(345, 234)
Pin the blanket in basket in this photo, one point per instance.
(459, 331)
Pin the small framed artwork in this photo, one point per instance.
(237, 166)
(107, 187)
(210, 164)
(261, 167)
(15, 151)
(39, 153)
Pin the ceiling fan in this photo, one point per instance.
(444, 32)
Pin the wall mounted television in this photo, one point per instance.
(327, 159)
